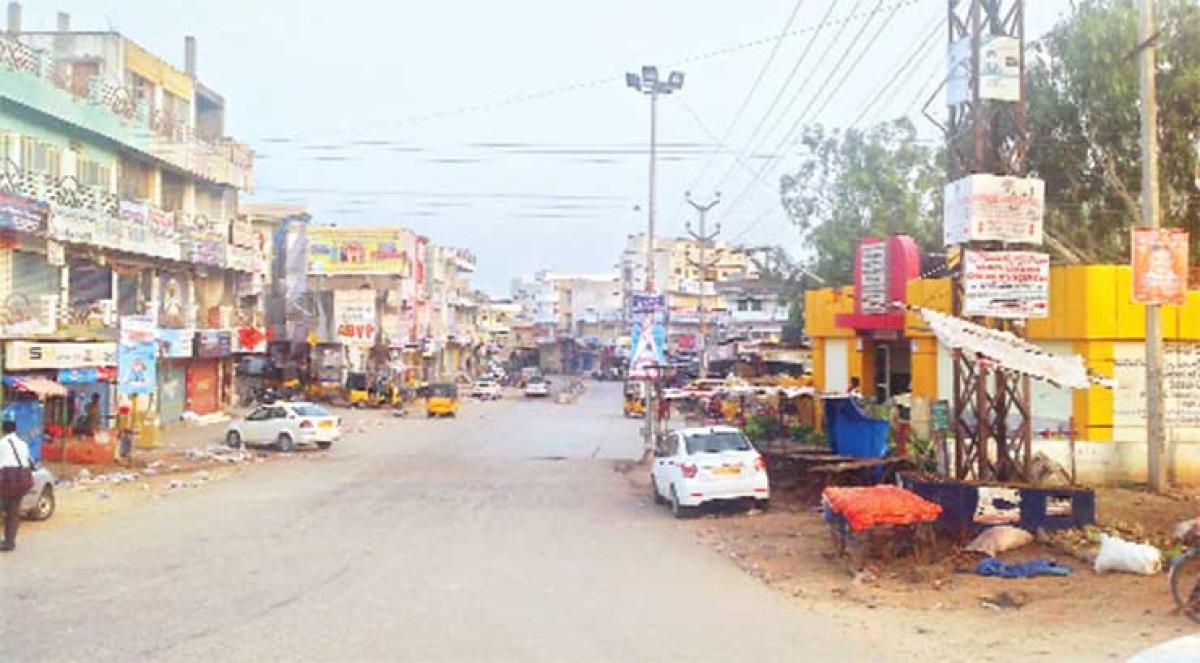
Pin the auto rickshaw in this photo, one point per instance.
(357, 392)
(441, 399)
(635, 399)
(384, 393)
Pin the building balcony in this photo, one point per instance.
(28, 78)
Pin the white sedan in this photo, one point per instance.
(286, 425)
(487, 390)
(537, 387)
(699, 465)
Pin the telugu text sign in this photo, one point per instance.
(872, 271)
(1181, 384)
(354, 316)
(1006, 284)
(994, 208)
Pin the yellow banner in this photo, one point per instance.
(358, 251)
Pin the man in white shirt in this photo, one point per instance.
(13, 453)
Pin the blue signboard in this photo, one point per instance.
(137, 365)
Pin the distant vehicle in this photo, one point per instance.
(286, 425)
(695, 466)
(38, 503)
(537, 387)
(441, 400)
(487, 390)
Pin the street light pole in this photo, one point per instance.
(1155, 434)
(704, 239)
(649, 83)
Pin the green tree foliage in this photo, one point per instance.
(1082, 92)
(855, 183)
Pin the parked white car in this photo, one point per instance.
(286, 425)
(38, 503)
(487, 390)
(699, 465)
(537, 387)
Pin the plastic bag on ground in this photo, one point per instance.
(998, 539)
(1117, 554)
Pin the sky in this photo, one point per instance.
(507, 128)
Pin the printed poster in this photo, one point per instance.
(1160, 266)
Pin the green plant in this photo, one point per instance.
(801, 433)
(762, 427)
(818, 437)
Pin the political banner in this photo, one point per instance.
(1160, 266)
(985, 207)
(354, 317)
(137, 356)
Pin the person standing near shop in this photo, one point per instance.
(16, 478)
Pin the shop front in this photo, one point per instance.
(49, 386)
(174, 357)
(206, 374)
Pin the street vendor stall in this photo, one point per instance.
(862, 518)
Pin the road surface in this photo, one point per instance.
(502, 535)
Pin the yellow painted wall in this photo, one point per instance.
(821, 308)
(151, 67)
(818, 363)
(924, 368)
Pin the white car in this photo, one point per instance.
(487, 390)
(699, 465)
(537, 387)
(286, 425)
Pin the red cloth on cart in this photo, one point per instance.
(864, 508)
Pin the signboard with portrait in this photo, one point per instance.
(1006, 284)
(994, 208)
(212, 344)
(999, 70)
(334, 251)
(1160, 266)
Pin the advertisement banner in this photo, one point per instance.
(137, 366)
(69, 224)
(994, 208)
(354, 316)
(1181, 384)
(176, 343)
(357, 251)
(1006, 284)
(252, 340)
(22, 214)
(212, 344)
(32, 355)
(958, 76)
(1000, 68)
(648, 339)
(1160, 266)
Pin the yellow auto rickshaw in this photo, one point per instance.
(358, 393)
(635, 399)
(441, 399)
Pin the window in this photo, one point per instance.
(311, 411)
(756, 305)
(743, 305)
(133, 181)
(94, 173)
(715, 443)
(261, 414)
(41, 157)
(277, 413)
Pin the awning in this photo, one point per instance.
(38, 386)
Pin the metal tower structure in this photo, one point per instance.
(992, 419)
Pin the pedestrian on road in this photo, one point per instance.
(16, 478)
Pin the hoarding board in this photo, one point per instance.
(334, 251)
(994, 208)
(873, 283)
(1181, 385)
(1006, 284)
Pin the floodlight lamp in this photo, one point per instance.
(675, 80)
(633, 81)
(650, 76)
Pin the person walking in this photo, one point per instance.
(16, 478)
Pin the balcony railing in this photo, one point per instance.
(120, 114)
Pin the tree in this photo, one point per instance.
(1083, 117)
(855, 183)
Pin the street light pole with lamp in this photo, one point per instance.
(649, 83)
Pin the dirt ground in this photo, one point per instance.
(1084, 616)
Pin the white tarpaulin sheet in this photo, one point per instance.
(1007, 350)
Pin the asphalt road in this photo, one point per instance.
(502, 535)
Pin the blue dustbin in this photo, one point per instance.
(851, 432)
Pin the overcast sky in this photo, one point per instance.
(506, 127)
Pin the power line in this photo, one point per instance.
(783, 88)
(908, 63)
(737, 116)
(832, 73)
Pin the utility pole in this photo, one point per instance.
(704, 240)
(1155, 437)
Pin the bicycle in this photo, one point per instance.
(1184, 579)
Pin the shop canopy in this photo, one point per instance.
(36, 385)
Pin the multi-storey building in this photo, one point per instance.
(451, 340)
(119, 191)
